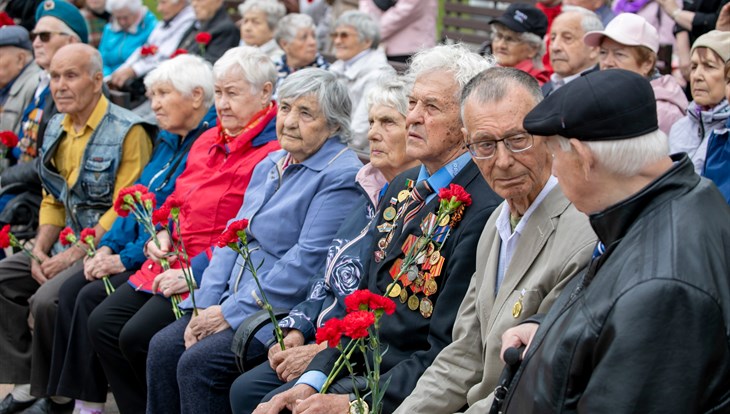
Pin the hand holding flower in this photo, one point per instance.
(163, 251)
(170, 282)
(208, 322)
(323, 404)
(291, 363)
(292, 338)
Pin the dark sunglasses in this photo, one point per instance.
(45, 36)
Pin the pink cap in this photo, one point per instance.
(628, 29)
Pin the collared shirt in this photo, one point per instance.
(44, 79)
(443, 177)
(136, 152)
(559, 81)
(357, 57)
(509, 238)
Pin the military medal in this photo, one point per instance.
(430, 287)
(394, 290)
(389, 213)
(403, 195)
(413, 302)
(444, 220)
(426, 307)
(517, 308)
(403, 296)
(435, 256)
(412, 273)
(379, 256)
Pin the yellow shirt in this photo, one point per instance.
(136, 152)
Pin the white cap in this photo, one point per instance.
(628, 29)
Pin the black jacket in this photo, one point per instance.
(646, 329)
(224, 35)
(414, 341)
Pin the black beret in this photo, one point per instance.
(603, 105)
(524, 17)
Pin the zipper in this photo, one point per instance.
(238, 279)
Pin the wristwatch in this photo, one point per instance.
(358, 407)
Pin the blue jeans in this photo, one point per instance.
(192, 381)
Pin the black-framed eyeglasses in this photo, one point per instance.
(486, 148)
(45, 36)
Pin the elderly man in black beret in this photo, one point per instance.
(645, 328)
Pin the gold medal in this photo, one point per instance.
(403, 195)
(435, 256)
(444, 220)
(426, 307)
(430, 288)
(517, 308)
(403, 296)
(418, 282)
(389, 213)
(394, 290)
(430, 248)
(379, 256)
(413, 302)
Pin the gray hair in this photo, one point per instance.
(273, 10)
(494, 84)
(331, 94)
(589, 21)
(626, 157)
(255, 66)
(457, 59)
(115, 5)
(290, 25)
(367, 28)
(185, 73)
(95, 64)
(390, 90)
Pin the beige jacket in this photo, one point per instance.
(556, 244)
(21, 94)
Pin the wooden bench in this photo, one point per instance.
(467, 23)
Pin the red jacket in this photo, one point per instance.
(541, 75)
(211, 188)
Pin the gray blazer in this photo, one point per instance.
(556, 244)
(21, 94)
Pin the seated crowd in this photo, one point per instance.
(541, 275)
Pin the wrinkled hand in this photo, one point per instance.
(292, 338)
(723, 20)
(35, 268)
(60, 262)
(517, 336)
(287, 399)
(189, 336)
(291, 363)
(121, 76)
(170, 282)
(104, 263)
(156, 253)
(323, 404)
(208, 322)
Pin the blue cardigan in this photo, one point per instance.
(126, 237)
(116, 46)
(292, 220)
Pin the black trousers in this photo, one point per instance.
(120, 329)
(75, 370)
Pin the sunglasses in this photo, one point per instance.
(45, 36)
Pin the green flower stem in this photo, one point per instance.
(267, 305)
(345, 354)
(187, 273)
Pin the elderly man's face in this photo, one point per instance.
(568, 54)
(255, 29)
(169, 9)
(433, 120)
(12, 61)
(591, 5)
(74, 89)
(44, 51)
(508, 47)
(568, 168)
(517, 177)
(205, 9)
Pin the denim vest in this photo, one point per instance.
(93, 193)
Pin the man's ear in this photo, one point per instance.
(197, 97)
(585, 157)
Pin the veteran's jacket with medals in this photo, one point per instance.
(415, 336)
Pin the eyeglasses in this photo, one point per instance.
(343, 35)
(45, 36)
(510, 40)
(485, 149)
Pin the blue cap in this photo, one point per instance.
(67, 13)
(15, 36)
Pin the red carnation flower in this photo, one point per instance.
(149, 201)
(231, 234)
(356, 324)
(331, 332)
(5, 237)
(203, 38)
(67, 237)
(378, 303)
(9, 139)
(161, 215)
(148, 50)
(178, 52)
(358, 300)
(455, 193)
(88, 236)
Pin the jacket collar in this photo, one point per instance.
(220, 15)
(331, 150)
(614, 222)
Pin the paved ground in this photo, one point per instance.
(111, 406)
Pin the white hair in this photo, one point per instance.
(589, 20)
(255, 66)
(185, 73)
(273, 10)
(390, 90)
(290, 25)
(366, 27)
(133, 6)
(626, 157)
(456, 59)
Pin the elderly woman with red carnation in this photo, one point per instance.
(212, 33)
(296, 201)
(209, 192)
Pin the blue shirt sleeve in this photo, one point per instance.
(314, 379)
